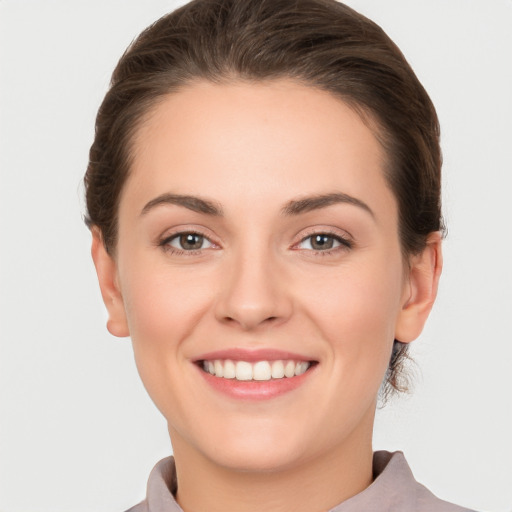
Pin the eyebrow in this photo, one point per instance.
(293, 207)
(307, 204)
(193, 203)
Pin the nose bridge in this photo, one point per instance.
(253, 292)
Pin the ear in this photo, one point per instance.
(106, 269)
(421, 289)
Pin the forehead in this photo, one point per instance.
(258, 142)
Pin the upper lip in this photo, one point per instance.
(254, 355)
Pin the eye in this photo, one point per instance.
(323, 242)
(188, 242)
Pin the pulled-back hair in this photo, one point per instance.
(319, 43)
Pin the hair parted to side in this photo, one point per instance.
(320, 43)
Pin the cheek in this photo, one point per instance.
(356, 311)
(161, 304)
(162, 309)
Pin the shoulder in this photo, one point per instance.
(426, 501)
(141, 507)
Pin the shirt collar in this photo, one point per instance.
(393, 489)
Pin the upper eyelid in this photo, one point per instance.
(324, 230)
(168, 235)
(181, 233)
(177, 234)
(343, 241)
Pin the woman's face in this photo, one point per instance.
(257, 227)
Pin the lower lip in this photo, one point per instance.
(255, 389)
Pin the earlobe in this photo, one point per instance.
(106, 270)
(421, 291)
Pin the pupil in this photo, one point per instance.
(191, 241)
(322, 242)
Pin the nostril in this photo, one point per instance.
(249, 323)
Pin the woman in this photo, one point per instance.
(264, 197)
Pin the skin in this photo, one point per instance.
(257, 282)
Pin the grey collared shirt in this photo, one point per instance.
(394, 489)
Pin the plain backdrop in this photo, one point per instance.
(77, 430)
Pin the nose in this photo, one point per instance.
(254, 292)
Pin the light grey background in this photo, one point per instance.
(77, 431)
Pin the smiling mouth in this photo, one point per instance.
(255, 371)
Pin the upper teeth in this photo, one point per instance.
(261, 370)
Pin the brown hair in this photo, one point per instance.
(321, 43)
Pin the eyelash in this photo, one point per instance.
(344, 243)
(164, 243)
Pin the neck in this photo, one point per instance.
(317, 484)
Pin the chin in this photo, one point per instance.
(262, 449)
(257, 459)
